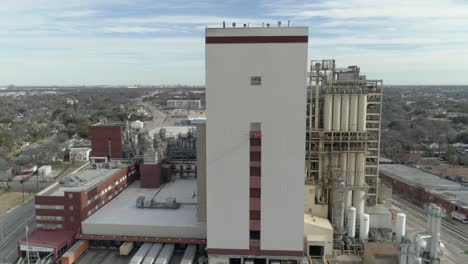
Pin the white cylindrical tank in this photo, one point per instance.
(362, 111)
(350, 177)
(400, 227)
(344, 112)
(336, 112)
(351, 221)
(327, 112)
(358, 195)
(353, 111)
(364, 227)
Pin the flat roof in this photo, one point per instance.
(48, 238)
(257, 31)
(121, 217)
(91, 176)
(449, 190)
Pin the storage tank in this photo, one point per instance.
(351, 221)
(351, 175)
(362, 111)
(400, 226)
(364, 227)
(353, 112)
(336, 112)
(344, 126)
(327, 112)
(358, 195)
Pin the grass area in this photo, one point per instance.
(9, 199)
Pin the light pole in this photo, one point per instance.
(27, 241)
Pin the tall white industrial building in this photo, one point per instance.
(255, 142)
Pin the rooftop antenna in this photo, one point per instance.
(224, 24)
(263, 24)
(289, 21)
(245, 25)
(234, 25)
(279, 23)
(268, 24)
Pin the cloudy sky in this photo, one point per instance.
(74, 42)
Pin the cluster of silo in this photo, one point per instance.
(352, 168)
(344, 112)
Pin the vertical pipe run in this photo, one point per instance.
(336, 112)
(353, 112)
(344, 112)
(327, 112)
(350, 177)
(358, 195)
(362, 112)
(344, 174)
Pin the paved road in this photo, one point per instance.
(12, 229)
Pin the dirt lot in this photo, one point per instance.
(9, 200)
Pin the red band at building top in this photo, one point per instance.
(256, 39)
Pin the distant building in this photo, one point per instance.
(79, 153)
(183, 104)
(106, 140)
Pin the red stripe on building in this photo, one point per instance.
(256, 39)
(143, 239)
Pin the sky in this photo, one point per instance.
(152, 42)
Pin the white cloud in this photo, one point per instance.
(132, 29)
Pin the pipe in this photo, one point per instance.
(362, 112)
(350, 177)
(336, 112)
(358, 195)
(327, 112)
(353, 112)
(344, 126)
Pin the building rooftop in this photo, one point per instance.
(149, 222)
(418, 177)
(88, 178)
(449, 190)
(48, 238)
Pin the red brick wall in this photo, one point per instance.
(421, 194)
(150, 176)
(75, 204)
(100, 136)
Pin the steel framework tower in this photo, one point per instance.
(343, 141)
